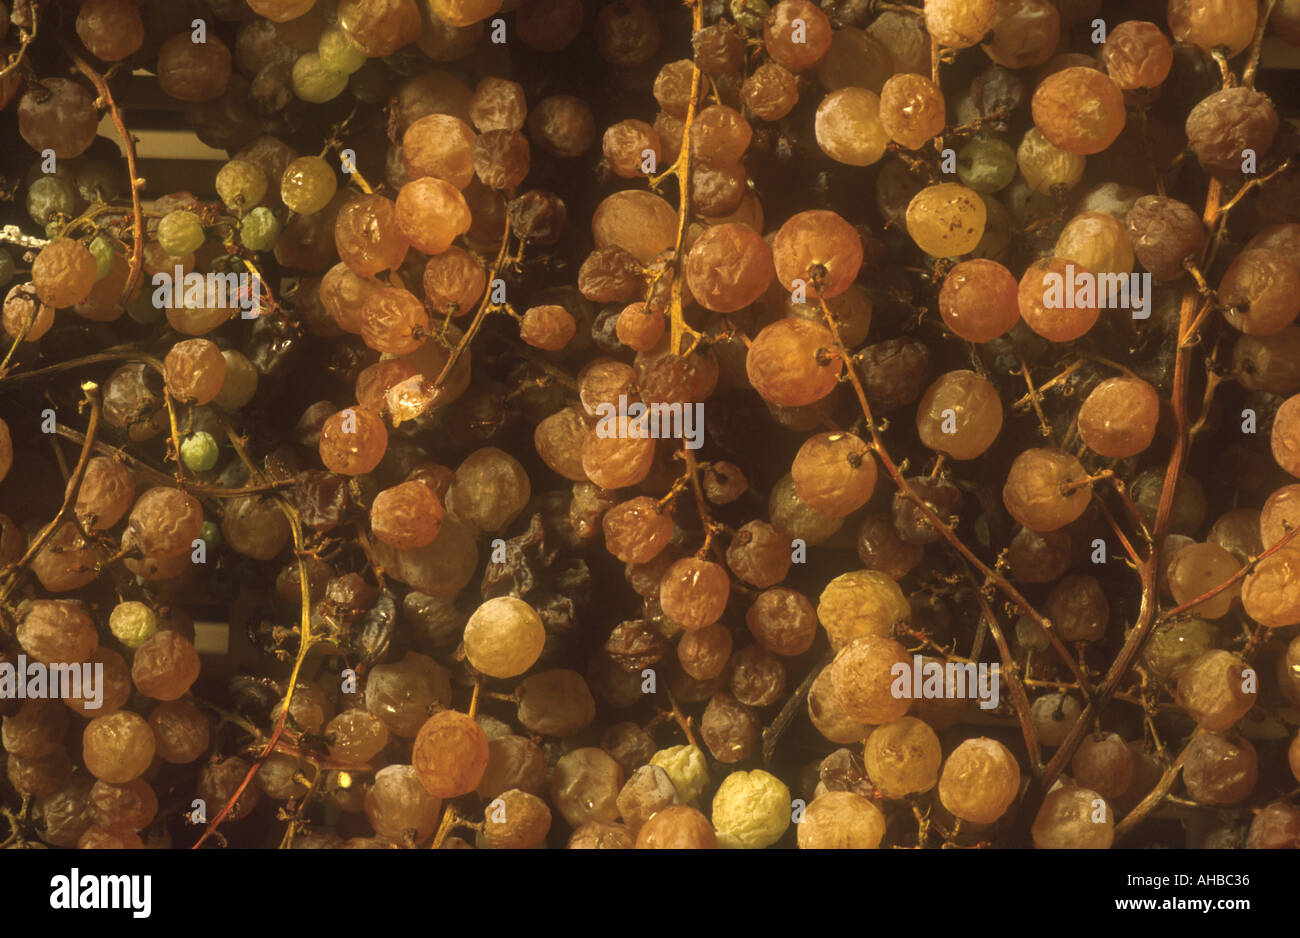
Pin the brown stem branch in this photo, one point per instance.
(27, 38)
(1256, 44)
(1156, 795)
(128, 141)
(939, 524)
(1146, 621)
(304, 642)
(1237, 577)
(682, 170)
(484, 307)
(90, 390)
(1009, 670)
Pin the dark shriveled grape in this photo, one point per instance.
(1220, 127)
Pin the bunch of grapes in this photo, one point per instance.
(610, 424)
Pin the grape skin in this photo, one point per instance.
(423, 199)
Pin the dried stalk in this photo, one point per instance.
(939, 524)
(90, 390)
(304, 641)
(137, 183)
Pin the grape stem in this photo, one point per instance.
(1050, 383)
(681, 169)
(18, 339)
(27, 39)
(91, 399)
(1237, 577)
(1070, 487)
(1135, 560)
(1157, 794)
(15, 837)
(938, 523)
(1147, 615)
(161, 478)
(706, 519)
(450, 819)
(681, 719)
(304, 642)
(1035, 399)
(137, 183)
(772, 733)
(1250, 184)
(484, 307)
(1010, 671)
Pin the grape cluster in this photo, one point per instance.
(609, 424)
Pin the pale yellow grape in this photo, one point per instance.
(504, 637)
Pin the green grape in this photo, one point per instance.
(338, 53)
(7, 267)
(53, 228)
(97, 181)
(241, 185)
(49, 196)
(308, 185)
(200, 451)
(314, 82)
(210, 534)
(259, 229)
(102, 250)
(133, 623)
(986, 165)
(180, 233)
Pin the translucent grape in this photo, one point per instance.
(834, 473)
(1211, 23)
(792, 362)
(903, 757)
(1079, 110)
(1045, 165)
(1038, 490)
(946, 220)
(353, 441)
(817, 247)
(796, 34)
(980, 780)
(960, 414)
(694, 592)
(308, 185)
(729, 267)
(912, 110)
(1198, 568)
(1025, 32)
(1051, 303)
(959, 24)
(1137, 54)
(1118, 417)
(1073, 818)
(504, 637)
(862, 679)
(406, 516)
(1215, 690)
(850, 129)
